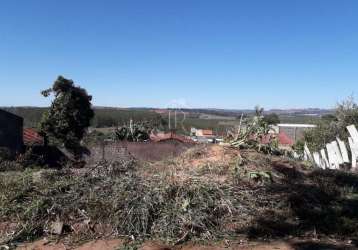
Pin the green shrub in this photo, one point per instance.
(328, 128)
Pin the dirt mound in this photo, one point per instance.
(204, 163)
(209, 154)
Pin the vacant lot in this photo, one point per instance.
(208, 195)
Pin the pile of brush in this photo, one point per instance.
(273, 200)
(122, 202)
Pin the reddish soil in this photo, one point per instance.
(210, 154)
(6, 229)
(93, 245)
(205, 162)
(114, 244)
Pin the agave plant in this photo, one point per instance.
(256, 129)
(133, 132)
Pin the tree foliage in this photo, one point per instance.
(111, 117)
(69, 115)
(329, 127)
(271, 119)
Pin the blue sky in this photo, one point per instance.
(200, 53)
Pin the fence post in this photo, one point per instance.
(354, 151)
(324, 158)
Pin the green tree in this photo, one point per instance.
(69, 115)
(271, 119)
(328, 128)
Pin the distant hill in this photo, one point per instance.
(200, 118)
(237, 112)
(308, 111)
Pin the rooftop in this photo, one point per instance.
(31, 137)
(10, 115)
(296, 125)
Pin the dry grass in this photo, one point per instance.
(208, 193)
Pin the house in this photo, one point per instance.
(201, 132)
(202, 135)
(11, 131)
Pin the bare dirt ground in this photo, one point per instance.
(202, 163)
(118, 244)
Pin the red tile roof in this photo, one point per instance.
(207, 132)
(31, 137)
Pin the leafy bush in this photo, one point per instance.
(329, 127)
(298, 147)
(31, 159)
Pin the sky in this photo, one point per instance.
(191, 53)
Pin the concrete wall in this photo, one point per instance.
(11, 131)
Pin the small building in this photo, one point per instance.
(201, 132)
(294, 131)
(204, 133)
(11, 131)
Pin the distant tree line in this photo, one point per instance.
(104, 117)
(32, 115)
(111, 117)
